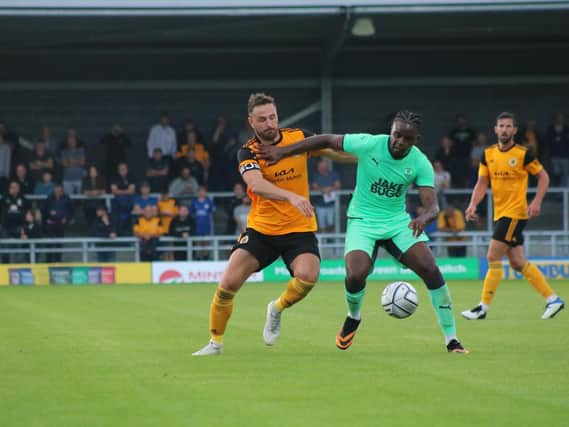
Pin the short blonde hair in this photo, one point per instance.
(259, 98)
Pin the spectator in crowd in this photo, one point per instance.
(463, 136)
(13, 140)
(185, 185)
(45, 186)
(40, 162)
(57, 213)
(157, 172)
(73, 161)
(223, 148)
(478, 147)
(13, 211)
(123, 190)
(148, 229)
(529, 136)
(557, 146)
(116, 144)
(162, 136)
(451, 220)
(5, 163)
(94, 185)
(197, 169)
(442, 183)
(327, 182)
(445, 154)
(103, 228)
(188, 137)
(14, 207)
(237, 199)
(32, 228)
(181, 226)
(241, 213)
(144, 199)
(167, 209)
(50, 142)
(202, 209)
(21, 177)
(245, 133)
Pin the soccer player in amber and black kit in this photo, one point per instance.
(505, 166)
(281, 223)
(387, 166)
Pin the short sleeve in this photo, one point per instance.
(531, 164)
(483, 167)
(425, 174)
(359, 143)
(247, 160)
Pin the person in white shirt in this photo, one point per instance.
(162, 136)
(442, 183)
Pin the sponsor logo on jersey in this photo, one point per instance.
(386, 188)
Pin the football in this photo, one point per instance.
(399, 299)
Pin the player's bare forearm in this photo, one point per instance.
(479, 191)
(542, 186)
(430, 204)
(317, 142)
(338, 156)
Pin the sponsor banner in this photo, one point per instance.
(75, 274)
(384, 269)
(193, 272)
(552, 268)
(21, 276)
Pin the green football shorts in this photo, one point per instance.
(396, 239)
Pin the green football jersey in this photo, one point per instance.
(382, 181)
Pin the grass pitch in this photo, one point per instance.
(120, 356)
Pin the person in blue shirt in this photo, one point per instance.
(144, 199)
(202, 209)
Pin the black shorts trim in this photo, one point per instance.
(509, 231)
(268, 248)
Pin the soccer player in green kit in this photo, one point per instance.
(387, 166)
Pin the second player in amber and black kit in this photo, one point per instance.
(505, 166)
(281, 223)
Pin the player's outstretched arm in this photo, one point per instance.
(478, 195)
(259, 185)
(534, 208)
(273, 153)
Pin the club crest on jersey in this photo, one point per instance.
(408, 172)
(513, 161)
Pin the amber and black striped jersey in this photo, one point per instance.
(276, 217)
(508, 174)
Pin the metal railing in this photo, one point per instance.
(537, 243)
(557, 195)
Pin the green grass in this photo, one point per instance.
(120, 356)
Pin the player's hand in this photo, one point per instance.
(417, 225)
(270, 153)
(534, 209)
(470, 213)
(302, 204)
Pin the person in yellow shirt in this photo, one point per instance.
(148, 229)
(451, 220)
(505, 166)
